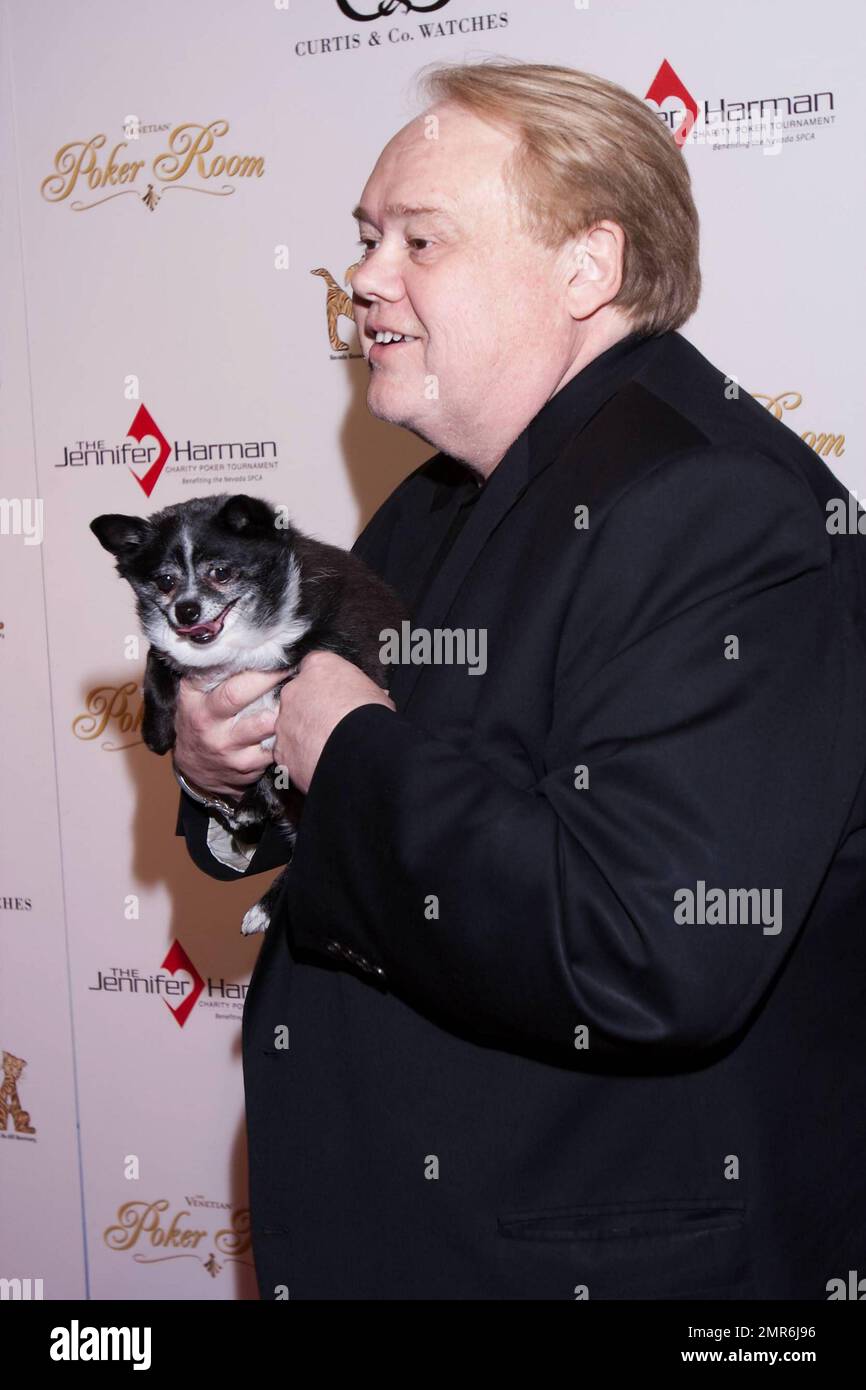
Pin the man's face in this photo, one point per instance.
(483, 303)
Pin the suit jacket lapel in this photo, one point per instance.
(558, 422)
(498, 495)
(418, 534)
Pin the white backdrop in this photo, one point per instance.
(191, 292)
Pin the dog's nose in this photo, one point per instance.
(187, 613)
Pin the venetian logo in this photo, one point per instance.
(823, 443)
(112, 710)
(195, 160)
(157, 1235)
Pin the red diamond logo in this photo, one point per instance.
(177, 959)
(143, 427)
(666, 84)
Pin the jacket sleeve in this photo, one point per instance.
(709, 680)
(271, 846)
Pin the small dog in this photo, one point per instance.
(225, 584)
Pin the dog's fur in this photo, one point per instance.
(223, 585)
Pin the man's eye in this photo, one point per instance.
(164, 582)
(418, 243)
(220, 573)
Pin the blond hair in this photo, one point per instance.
(588, 150)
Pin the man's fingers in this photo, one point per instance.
(238, 691)
(254, 761)
(216, 750)
(189, 693)
(249, 731)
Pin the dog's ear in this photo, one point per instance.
(247, 516)
(121, 535)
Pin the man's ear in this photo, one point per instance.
(247, 516)
(120, 535)
(594, 264)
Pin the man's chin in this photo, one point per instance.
(386, 405)
(392, 414)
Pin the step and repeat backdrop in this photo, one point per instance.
(176, 248)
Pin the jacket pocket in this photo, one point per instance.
(664, 1249)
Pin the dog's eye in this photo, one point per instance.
(220, 573)
(164, 582)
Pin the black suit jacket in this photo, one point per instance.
(512, 1072)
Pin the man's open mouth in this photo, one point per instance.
(202, 633)
(382, 338)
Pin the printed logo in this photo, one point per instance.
(177, 959)
(10, 1105)
(145, 427)
(767, 123)
(189, 163)
(226, 463)
(111, 705)
(177, 983)
(666, 86)
(141, 1228)
(823, 443)
(338, 304)
(386, 8)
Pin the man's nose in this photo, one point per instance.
(379, 278)
(187, 612)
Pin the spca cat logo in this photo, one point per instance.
(11, 1109)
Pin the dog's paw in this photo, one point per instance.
(256, 919)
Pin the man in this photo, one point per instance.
(571, 952)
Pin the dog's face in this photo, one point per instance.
(213, 576)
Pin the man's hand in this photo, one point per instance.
(213, 752)
(311, 706)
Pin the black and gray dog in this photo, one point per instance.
(224, 584)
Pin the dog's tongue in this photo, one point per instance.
(213, 626)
